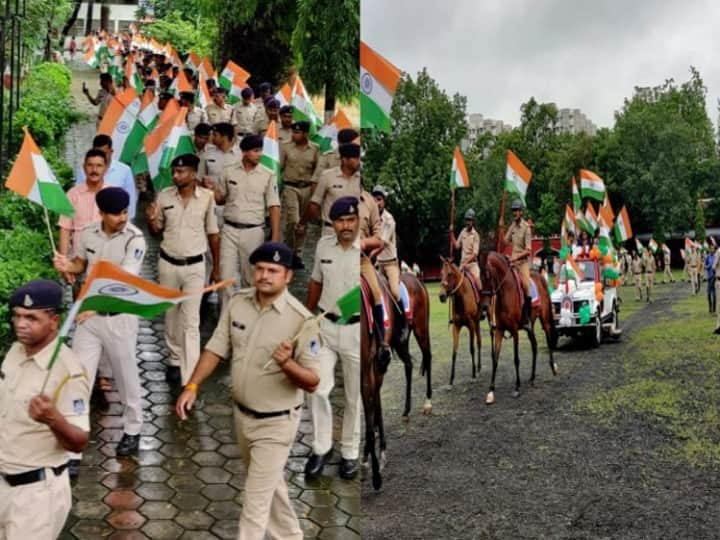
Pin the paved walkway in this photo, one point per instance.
(187, 481)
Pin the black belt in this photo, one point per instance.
(261, 415)
(31, 477)
(334, 317)
(183, 261)
(240, 225)
(298, 183)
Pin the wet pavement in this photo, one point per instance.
(187, 481)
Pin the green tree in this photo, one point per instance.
(185, 35)
(700, 233)
(548, 217)
(414, 162)
(326, 45)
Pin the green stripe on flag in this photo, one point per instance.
(112, 304)
(349, 304)
(55, 199)
(371, 115)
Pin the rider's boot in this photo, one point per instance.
(383, 347)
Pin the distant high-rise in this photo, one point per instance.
(575, 121)
(479, 125)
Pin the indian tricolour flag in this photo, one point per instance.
(206, 68)
(349, 305)
(233, 79)
(569, 221)
(284, 95)
(517, 176)
(192, 61)
(458, 173)
(652, 244)
(638, 245)
(149, 112)
(607, 207)
(133, 77)
(623, 231)
(169, 140)
(378, 81)
(592, 185)
(180, 84)
(591, 219)
(303, 108)
(604, 240)
(96, 54)
(203, 96)
(270, 158)
(328, 133)
(31, 177)
(577, 200)
(116, 68)
(120, 122)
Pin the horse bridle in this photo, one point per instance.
(490, 292)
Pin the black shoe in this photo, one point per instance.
(315, 465)
(172, 375)
(348, 468)
(73, 469)
(128, 445)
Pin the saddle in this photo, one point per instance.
(534, 295)
(474, 285)
(367, 299)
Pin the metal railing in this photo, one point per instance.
(11, 69)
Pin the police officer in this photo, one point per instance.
(335, 272)
(245, 111)
(117, 240)
(249, 192)
(667, 270)
(201, 139)
(222, 153)
(185, 214)
(333, 183)
(387, 259)
(637, 269)
(43, 415)
(273, 346)
(650, 267)
(518, 235)
(265, 115)
(469, 245)
(218, 110)
(286, 122)
(331, 158)
(195, 115)
(691, 258)
(298, 159)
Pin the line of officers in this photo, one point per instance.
(276, 346)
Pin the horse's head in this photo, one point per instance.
(487, 291)
(449, 278)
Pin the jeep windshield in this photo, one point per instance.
(586, 267)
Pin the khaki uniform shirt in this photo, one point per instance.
(245, 115)
(215, 160)
(337, 269)
(125, 248)
(284, 135)
(261, 122)
(369, 216)
(666, 256)
(248, 194)
(332, 185)
(519, 237)
(105, 98)
(388, 235)
(195, 116)
(24, 443)
(327, 160)
(185, 228)
(691, 258)
(637, 265)
(249, 334)
(469, 245)
(649, 263)
(216, 114)
(298, 163)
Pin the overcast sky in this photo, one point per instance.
(586, 54)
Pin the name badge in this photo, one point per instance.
(238, 325)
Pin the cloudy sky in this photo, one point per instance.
(586, 54)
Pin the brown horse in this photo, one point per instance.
(372, 374)
(465, 310)
(507, 314)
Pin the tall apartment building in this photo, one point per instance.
(575, 121)
(479, 125)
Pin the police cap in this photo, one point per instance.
(246, 92)
(301, 125)
(344, 206)
(38, 294)
(112, 200)
(251, 142)
(349, 150)
(273, 252)
(186, 160)
(517, 204)
(347, 135)
(286, 109)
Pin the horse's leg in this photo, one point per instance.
(497, 344)
(471, 330)
(479, 344)
(423, 340)
(381, 432)
(403, 350)
(456, 339)
(533, 344)
(516, 393)
(547, 327)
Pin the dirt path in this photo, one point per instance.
(538, 467)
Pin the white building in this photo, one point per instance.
(575, 121)
(479, 125)
(122, 14)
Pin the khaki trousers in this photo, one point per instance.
(36, 511)
(638, 284)
(294, 201)
(667, 273)
(391, 269)
(341, 341)
(524, 271)
(182, 322)
(649, 282)
(236, 246)
(692, 272)
(264, 447)
(114, 338)
(368, 272)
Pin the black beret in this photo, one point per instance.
(112, 200)
(273, 252)
(219, 89)
(349, 150)
(250, 142)
(187, 95)
(286, 109)
(344, 206)
(265, 87)
(38, 294)
(300, 125)
(272, 103)
(202, 129)
(225, 129)
(347, 135)
(246, 93)
(186, 160)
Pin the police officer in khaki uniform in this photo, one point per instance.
(245, 111)
(667, 270)
(335, 272)
(650, 267)
(185, 214)
(387, 259)
(334, 183)
(218, 110)
(331, 158)
(286, 122)
(518, 235)
(201, 139)
(249, 192)
(222, 153)
(264, 115)
(43, 415)
(273, 345)
(637, 270)
(298, 159)
(469, 245)
(195, 115)
(117, 240)
(691, 258)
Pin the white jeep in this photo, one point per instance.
(572, 295)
